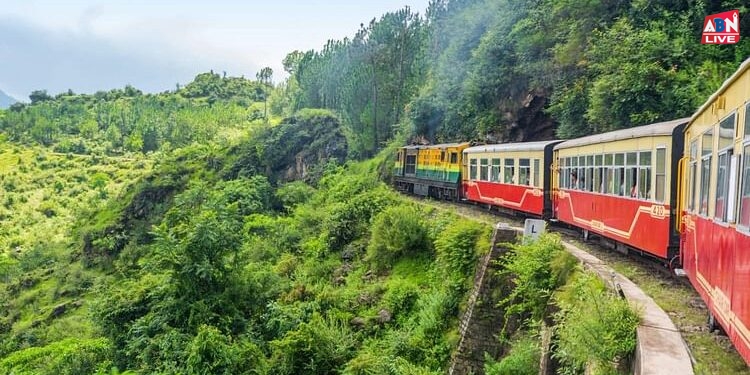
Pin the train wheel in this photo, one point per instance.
(713, 324)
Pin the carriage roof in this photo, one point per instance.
(657, 129)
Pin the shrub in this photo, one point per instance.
(530, 266)
(48, 208)
(349, 220)
(211, 352)
(401, 297)
(456, 247)
(8, 267)
(320, 346)
(294, 193)
(69, 356)
(397, 231)
(594, 326)
(252, 195)
(523, 359)
(36, 257)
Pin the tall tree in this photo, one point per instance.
(265, 78)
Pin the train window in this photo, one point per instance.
(632, 158)
(706, 149)
(607, 179)
(722, 186)
(589, 173)
(411, 164)
(620, 181)
(644, 175)
(598, 173)
(606, 185)
(619, 175)
(473, 169)
(747, 121)
(661, 174)
(705, 179)
(568, 173)
(744, 213)
(693, 174)
(483, 168)
(631, 175)
(454, 157)
(619, 159)
(495, 171)
(536, 173)
(573, 174)
(707, 142)
(726, 131)
(442, 155)
(524, 171)
(509, 171)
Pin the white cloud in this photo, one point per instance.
(90, 45)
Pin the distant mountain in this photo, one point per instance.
(6, 100)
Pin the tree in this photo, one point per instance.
(38, 96)
(292, 61)
(265, 77)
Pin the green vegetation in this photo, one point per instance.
(594, 329)
(125, 121)
(226, 227)
(205, 265)
(522, 359)
(508, 70)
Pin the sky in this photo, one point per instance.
(89, 45)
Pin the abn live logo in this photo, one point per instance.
(722, 28)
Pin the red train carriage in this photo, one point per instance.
(715, 206)
(512, 176)
(618, 185)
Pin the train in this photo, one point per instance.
(676, 191)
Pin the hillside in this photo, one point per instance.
(233, 226)
(6, 100)
(202, 255)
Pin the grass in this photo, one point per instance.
(41, 193)
(41, 196)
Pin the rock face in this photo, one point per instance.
(317, 138)
(524, 119)
(297, 149)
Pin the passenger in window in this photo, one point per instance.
(634, 191)
(574, 179)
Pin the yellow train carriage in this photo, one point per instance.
(619, 186)
(510, 176)
(715, 206)
(432, 170)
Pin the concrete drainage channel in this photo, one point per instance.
(660, 348)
